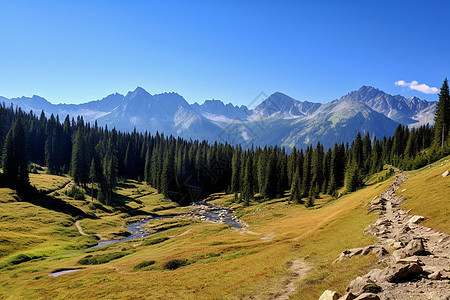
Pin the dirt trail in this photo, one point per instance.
(80, 229)
(299, 268)
(424, 254)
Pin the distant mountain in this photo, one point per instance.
(409, 111)
(285, 107)
(278, 120)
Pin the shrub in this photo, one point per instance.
(154, 241)
(175, 264)
(144, 264)
(21, 258)
(101, 258)
(75, 192)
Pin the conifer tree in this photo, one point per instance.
(316, 170)
(235, 166)
(92, 177)
(351, 174)
(248, 189)
(306, 181)
(442, 116)
(367, 151)
(14, 160)
(79, 165)
(332, 186)
(296, 194)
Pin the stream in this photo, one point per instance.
(203, 211)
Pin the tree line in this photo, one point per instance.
(187, 170)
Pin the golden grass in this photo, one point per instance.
(223, 262)
(48, 182)
(428, 194)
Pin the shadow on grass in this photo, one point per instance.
(32, 195)
(119, 202)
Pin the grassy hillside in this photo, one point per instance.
(191, 260)
(428, 194)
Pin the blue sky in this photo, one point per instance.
(75, 51)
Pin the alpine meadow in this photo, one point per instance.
(143, 195)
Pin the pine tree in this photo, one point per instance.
(326, 170)
(351, 174)
(79, 165)
(167, 174)
(332, 185)
(147, 167)
(306, 181)
(367, 151)
(376, 157)
(296, 194)
(14, 160)
(92, 177)
(248, 189)
(442, 116)
(8, 158)
(270, 184)
(235, 166)
(316, 170)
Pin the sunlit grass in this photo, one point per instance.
(428, 194)
(218, 261)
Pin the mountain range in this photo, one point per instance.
(277, 120)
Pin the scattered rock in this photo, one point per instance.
(419, 268)
(445, 174)
(408, 260)
(348, 296)
(401, 273)
(379, 252)
(414, 247)
(329, 295)
(435, 276)
(367, 296)
(416, 219)
(397, 245)
(363, 284)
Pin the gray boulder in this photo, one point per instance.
(400, 273)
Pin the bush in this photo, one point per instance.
(154, 241)
(144, 264)
(175, 264)
(21, 258)
(75, 192)
(101, 258)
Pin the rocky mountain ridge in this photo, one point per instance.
(278, 120)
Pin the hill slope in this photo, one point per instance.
(287, 238)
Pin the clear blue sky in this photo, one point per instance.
(75, 51)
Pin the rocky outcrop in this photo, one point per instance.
(417, 257)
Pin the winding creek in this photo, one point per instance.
(203, 211)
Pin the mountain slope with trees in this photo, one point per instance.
(185, 171)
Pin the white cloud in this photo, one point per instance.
(414, 85)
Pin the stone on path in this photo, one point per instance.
(416, 219)
(401, 273)
(367, 296)
(329, 295)
(435, 276)
(348, 296)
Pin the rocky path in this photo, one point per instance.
(418, 257)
